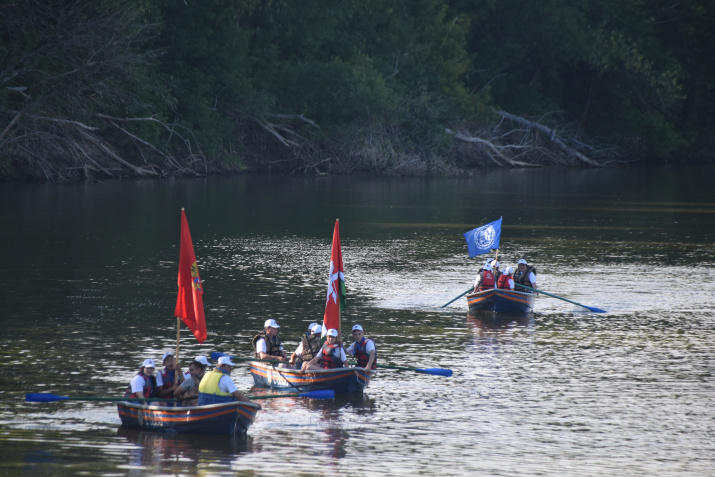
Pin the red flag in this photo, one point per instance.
(335, 301)
(189, 302)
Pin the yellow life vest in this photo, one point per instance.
(209, 383)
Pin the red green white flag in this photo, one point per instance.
(189, 302)
(335, 300)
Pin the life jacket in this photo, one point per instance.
(503, 282)
(149, 386)
(361, 354)
(523, 279)
(167, 377)
(487, 282)
(328, 360)
(209, 392)
(273, 346)
(311, 346)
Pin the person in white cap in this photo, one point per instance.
(267, 343)
(144, 384)
(506, 281)
(189, 389)
(217, 385)
(330, 356)
(308, 347)
(168, 376)
(525, 275)
(495, 269)
(363, 349)
(485, 279)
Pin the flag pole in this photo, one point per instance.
(176, 358)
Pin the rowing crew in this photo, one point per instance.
(489, 277)
(197, 387)
(310, 354)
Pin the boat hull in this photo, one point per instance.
(223, 419)
(341, 380)
(501, 301)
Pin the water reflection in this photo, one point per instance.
(176, 454)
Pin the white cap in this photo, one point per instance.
(270, 324)
(148, 363)
(508, 271)
(168, 353)
(225, 360)
(522, 261)
(495, 264)
(333, 332)
(488, 267)
(357, 327)
(202, 359)
(311, 326)
(317, 328)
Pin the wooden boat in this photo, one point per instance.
(341, 380)
(225, 418)
(500, 300)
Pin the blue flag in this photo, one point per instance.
(483, 239)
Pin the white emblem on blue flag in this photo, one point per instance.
(484, 237)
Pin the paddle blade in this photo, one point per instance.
(216, 355)
(436, 371)
(595, 310)
(42, 397)
(323, 394)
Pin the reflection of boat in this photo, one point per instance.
(225, 418)
(341, 380)
(496, 321)
(501, 301)
(169, 447)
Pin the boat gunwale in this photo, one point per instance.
(158, 407)
(299, 372)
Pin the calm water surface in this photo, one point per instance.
(88, 286)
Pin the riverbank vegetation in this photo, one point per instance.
(155, 88)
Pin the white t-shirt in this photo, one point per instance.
(370, 346)
(261, 346)
(226, 385)
(138, 383)
(188, 383)
(299, 350)
(510, 282)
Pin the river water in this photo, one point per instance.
(88, 286)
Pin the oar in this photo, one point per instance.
(457, 298)
(216, 355)
(321, 394)
(433, 371)
(43, 397)
(592, 308)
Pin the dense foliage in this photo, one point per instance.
(154, 87)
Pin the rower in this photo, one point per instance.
(144, 384)
(363, 349)
(525, 274)
(506, 281)
(267, 343)
(485, 279)
(309, 346)
(331, 355)
(217, 385)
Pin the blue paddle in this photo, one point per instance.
(432, 371)
(592, 308)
